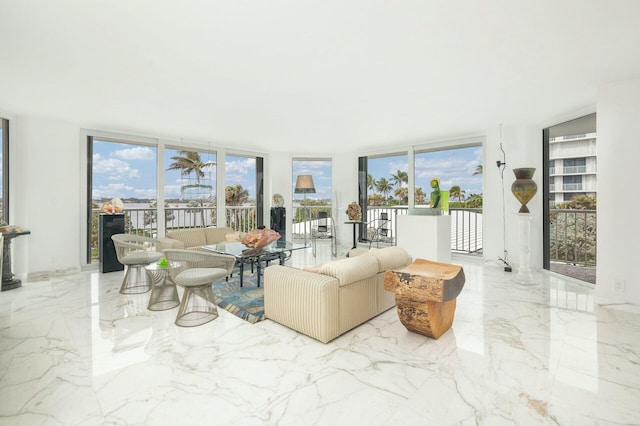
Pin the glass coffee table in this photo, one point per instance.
(279, 250)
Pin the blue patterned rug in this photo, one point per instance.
(246, 302)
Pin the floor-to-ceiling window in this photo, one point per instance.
(312, 194)
(384, 193)
(4, 170)
(189, 188)
(389, 186)
(126, 171)
(455, 175)
(244, 192)
(570, 198)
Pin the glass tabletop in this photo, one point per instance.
(241, 251)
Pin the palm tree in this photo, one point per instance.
(190, 162)
(371, 182)
(403, 194)
(419, 195)
(375, 200)
(455, 191)
(478, 170)
(235, 195)
(399, 178)
(384, 186)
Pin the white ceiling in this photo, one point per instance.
(312, 75)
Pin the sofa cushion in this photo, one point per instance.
(232, 236)
(314, 269)
(352, 269)
(216, 235)
(190, 237)
(390, 257)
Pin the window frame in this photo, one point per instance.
(5, 169)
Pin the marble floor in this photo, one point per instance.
(73, 351)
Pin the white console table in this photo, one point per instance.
(425, 237)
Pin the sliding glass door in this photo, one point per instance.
(570, 198)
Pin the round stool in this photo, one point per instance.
(198, 304)
(164, 294)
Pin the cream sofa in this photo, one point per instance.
(340, 296)
(197, 237)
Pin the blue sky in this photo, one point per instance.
(452, 167)
(125, 171)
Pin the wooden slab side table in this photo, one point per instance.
(426, 295)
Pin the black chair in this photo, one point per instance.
(379, 230)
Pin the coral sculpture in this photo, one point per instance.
(260, 237)
(354, 212)
(112, 206)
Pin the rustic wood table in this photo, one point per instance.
(426, 295)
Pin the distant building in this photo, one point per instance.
(572, 167)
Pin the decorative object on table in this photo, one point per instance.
(278, 200)
(163, 263)
(260, 237)
(426, 295)
(112, 206)
(305, 185)
(524, 187)
(354, 212)
(436, 196)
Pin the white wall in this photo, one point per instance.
(46, 182)
(50, 206)
(345, 191)
(344, 169)
(618, 123)
(523, 148)
(45, 187)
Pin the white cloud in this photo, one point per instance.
(136, 153)
(112, 190)
(114, 168)
(172, 191)
(236, 171)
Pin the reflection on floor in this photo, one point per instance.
(75, 351)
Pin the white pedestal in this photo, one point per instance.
(524, 250)
(425, 237)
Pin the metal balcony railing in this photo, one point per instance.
(143, 221)
(572, 232)
(573, 236)
(466, 226)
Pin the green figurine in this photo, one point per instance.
(435, 194)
